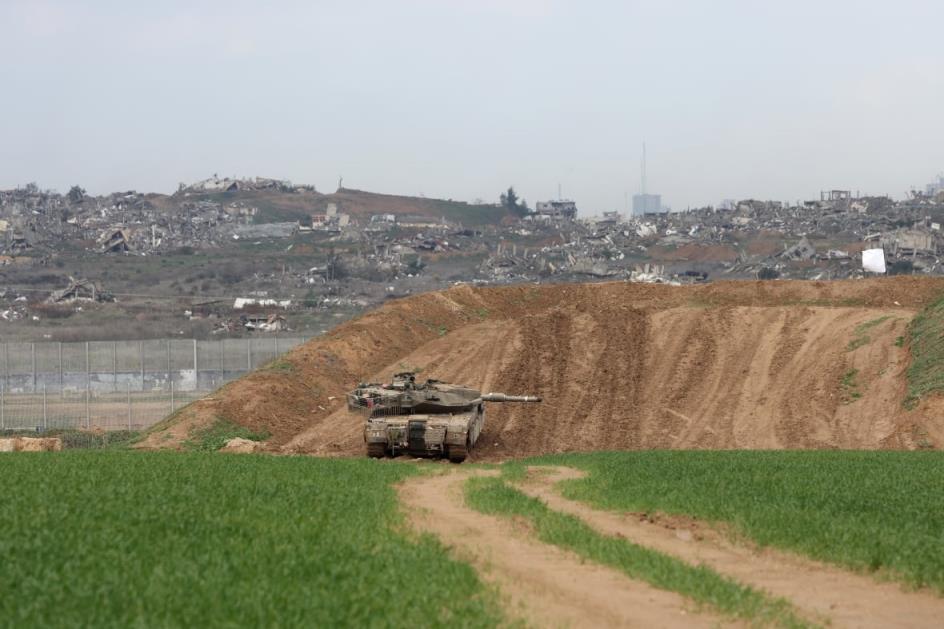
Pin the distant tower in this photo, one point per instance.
(645, 203)
(643, 169)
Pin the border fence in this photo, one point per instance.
(120, 385)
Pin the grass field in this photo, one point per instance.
(169, 539)
(871, 511)
(700, 583)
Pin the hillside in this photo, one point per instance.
(620, 366)
(277, 205)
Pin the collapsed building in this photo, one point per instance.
(79, 290)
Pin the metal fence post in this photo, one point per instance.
(170, 378)
(88, 413)
(141, 356)
(222, 351)
(33, 361)
(129, 407)
(196, 367)
(249, 354)
(45, 421)
(172, 409)
(277, 353)
(88, 369)
(114, 362)
(60, 366)
(3, 419)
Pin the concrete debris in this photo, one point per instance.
(252, 323)
(114, 241)
(265, 230)
(243, 302)
(803, 250)
(227, 184)
(238, 445)
(79, 290)
(265, 323)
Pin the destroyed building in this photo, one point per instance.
(79, 290)
(554, 211)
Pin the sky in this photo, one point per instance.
(460, 99)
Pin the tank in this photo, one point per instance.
(433, 419)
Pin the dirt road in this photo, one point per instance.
(540, 584)
(547, 586)
(841, 598)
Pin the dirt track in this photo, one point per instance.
(620, 366)
(541, 584)
(546, 586)
(821, 592)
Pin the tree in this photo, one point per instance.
(76, 194)
(509, 201)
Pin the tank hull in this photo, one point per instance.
(425, 435)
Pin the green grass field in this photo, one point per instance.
(879, 512)
(171, 539)
(699, 583)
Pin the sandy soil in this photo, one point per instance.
(824, 593)
(619, 365)
(540, 584)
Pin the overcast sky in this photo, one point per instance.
(459, 99)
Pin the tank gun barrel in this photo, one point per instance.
(501, 397)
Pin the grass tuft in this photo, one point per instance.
(850, 386)
(857, 342)
(213, 437)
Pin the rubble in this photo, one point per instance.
(79, 290)
(266, 230)
(238, 445)
(349, 256)
(227, 184)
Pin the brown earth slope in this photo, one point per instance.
(620, 366)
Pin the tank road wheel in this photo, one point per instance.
(457, 454)
(376, 450)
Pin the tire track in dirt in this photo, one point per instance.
(540, 583)
(627, 378)
(821, 591)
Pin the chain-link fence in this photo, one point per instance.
(119, 385)
(131, 410)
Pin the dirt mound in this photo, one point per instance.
(31, 444)
(620, 366)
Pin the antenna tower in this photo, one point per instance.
(643, 168)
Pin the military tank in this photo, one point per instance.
(433, 419)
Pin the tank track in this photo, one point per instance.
(457, 454)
